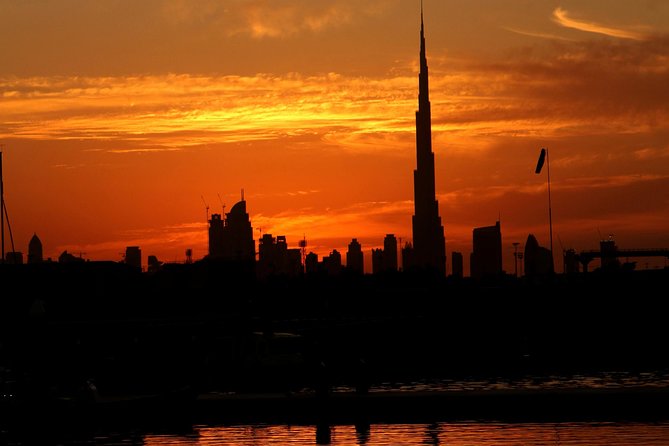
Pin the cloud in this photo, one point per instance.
(271, 19)
(561, 17)
(537, 34)
(650, 153)
(146, 150)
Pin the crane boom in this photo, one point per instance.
(206, 206)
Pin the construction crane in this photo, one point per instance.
(206, 207)
(222, 205)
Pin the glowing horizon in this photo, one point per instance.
(102, 153)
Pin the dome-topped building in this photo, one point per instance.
(238, 233)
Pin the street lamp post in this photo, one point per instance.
(543, 156)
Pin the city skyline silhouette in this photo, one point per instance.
(136, 305)
(104, 155)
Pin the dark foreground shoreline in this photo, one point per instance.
(517, 405)
(624, 404)
(247, 354)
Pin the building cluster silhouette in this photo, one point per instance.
(230, 235)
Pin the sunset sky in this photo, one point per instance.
(118, 117)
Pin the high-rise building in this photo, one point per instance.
(35, 254)
(538, 260)
(274, 257)
(311, 263)
(390, 253)
(133, 256)
(332, 263)
(355, 258)
(407, 257)
(377, 260)
(238, 234)
(216, 226)
(428, 233)
(232, 238)
(486, 259)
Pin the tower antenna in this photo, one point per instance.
(242, 194)
(303, 248)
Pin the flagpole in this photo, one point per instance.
(550, 214)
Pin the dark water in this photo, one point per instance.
(479, 433)
(427, 434)
(452, 434)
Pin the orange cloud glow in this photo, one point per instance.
(562, 17)
(95, 162)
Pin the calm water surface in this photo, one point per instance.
(458, 434)
(446, 433)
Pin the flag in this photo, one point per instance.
(540, 163)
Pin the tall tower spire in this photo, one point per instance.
(428, 233)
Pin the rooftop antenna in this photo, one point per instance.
(242, 194)
(206, 206)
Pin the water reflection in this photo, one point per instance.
(452, 434)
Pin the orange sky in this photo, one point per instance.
(117, 116)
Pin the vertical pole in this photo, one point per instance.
(2, 211)
(550, 216)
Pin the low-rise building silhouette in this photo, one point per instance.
(14, 258)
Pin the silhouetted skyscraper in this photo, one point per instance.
(538, 260)
(428, 233)
(377, 260)
(407, 257)
(238, 234)
(311, 263)
(133, 256)
(274, 257)
(35, 250)
(332, 263)
(355, 258)
(390, 253)
(216, 226)
(486, 259)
